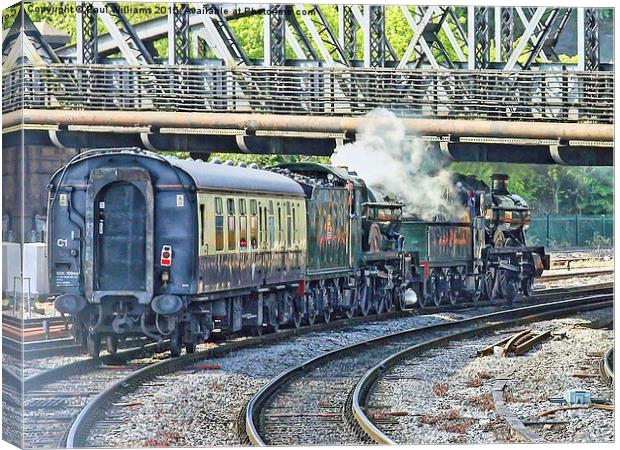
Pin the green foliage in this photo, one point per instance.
(261, 160)
(553, 189)
(249, 32)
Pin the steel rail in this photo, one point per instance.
(80, 426)
(565, 276)
(373, 375)
(607, 367)
(474, 325)
(272, 122)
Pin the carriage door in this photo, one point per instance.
(119, 247)
(120, 238)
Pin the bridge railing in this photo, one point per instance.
(559, 96)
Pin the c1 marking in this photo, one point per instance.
(62, 243)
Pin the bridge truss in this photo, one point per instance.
(478, 81)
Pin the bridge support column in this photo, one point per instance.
(86, 24)
(178, 34)
(347, 28)
(275, 35)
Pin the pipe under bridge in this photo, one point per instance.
(516, 104)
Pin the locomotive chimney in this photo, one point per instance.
(500, 182)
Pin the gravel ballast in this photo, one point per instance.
(445, 395)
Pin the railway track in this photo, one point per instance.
(575, 274)
(606, 367)
(322, 401)
(53, 398)
(91, 402)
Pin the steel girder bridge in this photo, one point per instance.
(481, 84)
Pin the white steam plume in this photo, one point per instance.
(384, 159)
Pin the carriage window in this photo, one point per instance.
(270, 207)
(272, 232)
(232, 236)
(230, 205)
(202, 224)
(289, 229)
(219, 233)
(295, 224)
(243, 233)
(218, 205)
(253, 225)
(254, 232)
(242, 206)
(261, 225)
(280, 237)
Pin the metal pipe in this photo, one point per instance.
(328, 124)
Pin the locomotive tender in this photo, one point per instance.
(147, 245)
(141, 244)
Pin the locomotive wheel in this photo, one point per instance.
(426, 296)
(526, 286)
(508, 286)
(479, 292)
(379, 302)
(298, 317)
(312, 309)
(453, 287)
(327, 315)
(190, 348)
(112, 344)
(489, 285)
(363, 303)
(349, 312)
(436, 288)
(175, 343)
(399, 293)
(389, 300)
(93, 344)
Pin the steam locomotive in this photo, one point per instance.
(148, 245)
(483, 256)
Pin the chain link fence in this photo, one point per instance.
(559, 232)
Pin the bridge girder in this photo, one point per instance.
(438, 40)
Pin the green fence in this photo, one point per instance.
(571, 231)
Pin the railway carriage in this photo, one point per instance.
(147, 245)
